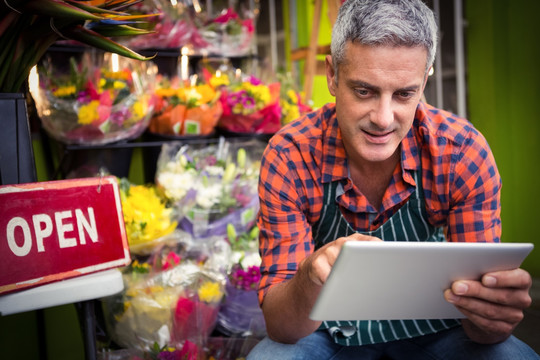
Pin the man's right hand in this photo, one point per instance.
(319, 264)
(287, 305)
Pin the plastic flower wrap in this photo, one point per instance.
(211, 185)
(240, 313)
(182, 109)
(249, 106)
(170, 296)
(227, 34)
(148, 219)
(100, 101)
(172, 28)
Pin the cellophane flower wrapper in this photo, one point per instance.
(211, 185)
(172, 28)
(183, 109)
(94, 105)
(144, 313)
(228, 34)
(250, 107)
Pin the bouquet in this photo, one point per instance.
(249, 106)
(226, 34)
(169, 296)
(211, 185)
(171, 28)
(183, 109)
(240, 313)
(100, 101)
(148, 220)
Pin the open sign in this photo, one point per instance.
(60, 229)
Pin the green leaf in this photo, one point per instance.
(58, 9)
(119, 30)
(94, 39)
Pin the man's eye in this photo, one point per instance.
(362, 92)
(405, 94)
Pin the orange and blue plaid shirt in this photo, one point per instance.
(459, 176)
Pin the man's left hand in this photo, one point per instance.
(493, 306)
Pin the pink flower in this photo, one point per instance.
(226, 16)
(248, 24)
(171, 260)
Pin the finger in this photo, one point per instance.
(516, 278)
(512, 297)
(362, 237)
(482, 312)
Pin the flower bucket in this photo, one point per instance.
(180, 120)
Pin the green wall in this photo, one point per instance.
(503, 50)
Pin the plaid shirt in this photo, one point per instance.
(459, 176)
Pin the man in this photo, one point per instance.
(344, 172)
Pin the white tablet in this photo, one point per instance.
(374, 280)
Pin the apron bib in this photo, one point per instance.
(409, 223)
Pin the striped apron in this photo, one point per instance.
(409, 223)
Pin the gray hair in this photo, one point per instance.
(384, 22)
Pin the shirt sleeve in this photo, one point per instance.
(475, 208)
(285, 235)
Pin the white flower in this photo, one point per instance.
(215, 170)
(208, 196)
(176, 185)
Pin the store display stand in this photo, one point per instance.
(17, 166)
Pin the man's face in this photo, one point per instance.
(377, 91)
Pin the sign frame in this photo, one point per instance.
(55, 230)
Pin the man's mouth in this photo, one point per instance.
(378, 137)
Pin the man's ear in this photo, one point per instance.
(331, 78)
(426, 78)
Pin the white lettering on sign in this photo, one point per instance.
(43, 228)
(42, 233)
(27, 245)
(62, 228)
(90, 228)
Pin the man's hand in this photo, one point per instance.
(493, 306)
(319, 264)
(287, 305)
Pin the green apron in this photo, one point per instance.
(409, 223)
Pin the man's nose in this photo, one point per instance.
(383, 113)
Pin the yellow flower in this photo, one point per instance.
(139, 109)
(207, 93)
(116, 75)
(145, 215)
(261, 93)
(65, 91)
(217, 81)
(165, 92)
(102, 83)
(119, 85)
(293, 98)
(88, 113)
(210, 292)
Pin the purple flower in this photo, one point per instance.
(246, 280)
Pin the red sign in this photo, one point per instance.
(60, 229)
